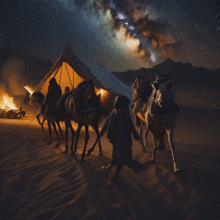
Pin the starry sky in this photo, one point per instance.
(120, 34)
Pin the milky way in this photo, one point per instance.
(123, 34)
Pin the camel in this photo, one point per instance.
(83, 106)
(146, 90)
(159, 114)
(37, 99)
(50, 120)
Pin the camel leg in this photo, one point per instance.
(49, 127)
(58, 125)
(41, 124)
(97, 140)
(170, 133)
(55, 129)
(66, 135)
(155, 147)
(38, 118)
(145, 136)
(77, 138)
(86, 142)
(139, 123)
(141, 136)
(160, 137)
(73, 135)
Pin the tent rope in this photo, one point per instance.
(68, 75)
(60, 75)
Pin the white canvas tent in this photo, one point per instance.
(70, 70)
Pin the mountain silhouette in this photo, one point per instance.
(180, 73)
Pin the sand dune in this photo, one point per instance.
(38, 181)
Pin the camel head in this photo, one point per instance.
(163, 94)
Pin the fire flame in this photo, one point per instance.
(29, 89)
(8, 103)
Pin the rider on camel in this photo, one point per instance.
(141, 93)
(49, 106)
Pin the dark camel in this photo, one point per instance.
(50, 121)
(37, 99)
(83, 106)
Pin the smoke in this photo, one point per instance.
(2, 92)
(12, 81)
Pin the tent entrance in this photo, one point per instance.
(66, 76)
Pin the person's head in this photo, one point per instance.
(140, 81)
(162, 77)
(121, 102)
(52, 81)
(67, 89)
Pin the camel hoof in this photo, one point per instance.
(82, 159)
(65, 152)
(176, 170)
(152, 158)
(100, 154)
(88, 153)
(73, 152)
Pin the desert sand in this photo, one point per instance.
(38, 181)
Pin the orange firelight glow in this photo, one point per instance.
(29, 89)
(7, 102)
(101, 92)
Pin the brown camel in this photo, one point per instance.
(83, 106)
(160, 117)
(141, 95)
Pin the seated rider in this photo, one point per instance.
(163, 81)
(49, 107)
(141, 93)
(61, 101)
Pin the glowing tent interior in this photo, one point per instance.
(70, 70)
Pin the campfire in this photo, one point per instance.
(8, 108)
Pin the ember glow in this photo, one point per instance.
(29, 89)
(101, 92)
(7, 102)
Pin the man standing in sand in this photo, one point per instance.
(119, 128)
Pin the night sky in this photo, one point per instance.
(121, 35)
